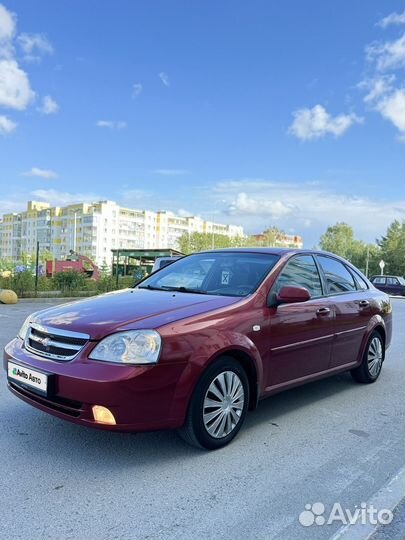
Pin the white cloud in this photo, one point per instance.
(61, 198)
(258, 203)
(6, 125)
(133, 197)
(392, 18)
(48, 106)
(34, 46)
(15, 89)
(247, 205)
(111, 124)
(41, 173)
(392, 107)
(171, 172)
(388, 54)
(7, 24)
(164, 77)
(13, 203)
(136, 89)
(182, 212)
(377, 87)
(382, 95)
(315, 123)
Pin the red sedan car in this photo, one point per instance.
(198, 343)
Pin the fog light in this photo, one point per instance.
(102, 415)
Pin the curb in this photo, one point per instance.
(389, 496)
(44, 300)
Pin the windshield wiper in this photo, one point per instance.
(170, 289)
(151, 288)
(183, 289)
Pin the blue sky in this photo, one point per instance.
(256, 113)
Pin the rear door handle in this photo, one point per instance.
(323, 311)
(364, 303)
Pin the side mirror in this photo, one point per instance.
(288, 295)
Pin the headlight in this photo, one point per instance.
(132, 347)
(26, 324)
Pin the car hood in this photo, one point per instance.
(129, 309)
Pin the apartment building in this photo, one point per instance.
(95, 229)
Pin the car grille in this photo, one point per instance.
(54, 343)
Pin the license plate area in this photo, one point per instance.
(33, 380)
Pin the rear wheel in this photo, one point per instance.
(370, 368)
(218, 406)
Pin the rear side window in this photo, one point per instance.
(300, 271)
(361, 283)
(338, 277)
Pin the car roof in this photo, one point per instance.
(271, 251)
(385, 275)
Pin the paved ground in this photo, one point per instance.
(330, 441)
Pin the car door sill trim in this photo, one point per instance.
(308, 378)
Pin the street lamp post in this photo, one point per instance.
(367, 259)
(74, 228)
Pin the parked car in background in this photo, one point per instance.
(394, 285)
(161, 262)
(197, 344)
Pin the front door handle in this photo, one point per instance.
(321, 312)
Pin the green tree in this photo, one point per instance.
(194, 242)
(392, 247)
(340, 239)
(269, 238)
(105, 269)
(45, 256)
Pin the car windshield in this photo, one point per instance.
(216, 273)
(401, 280)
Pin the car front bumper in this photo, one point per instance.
(141, 398)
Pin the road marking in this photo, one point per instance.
(389, 496)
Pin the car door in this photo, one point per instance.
(392, 286)
(352, 308)
(301, 334)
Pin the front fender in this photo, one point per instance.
(211, 344)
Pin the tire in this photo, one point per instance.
(207, 425)
(373, 358)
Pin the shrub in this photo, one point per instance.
(106, 283)
(69, 281)
(22, 282)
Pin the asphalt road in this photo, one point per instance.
(330, 441)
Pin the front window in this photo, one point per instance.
(300, 271)
(216, 273)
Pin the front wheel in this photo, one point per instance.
(370, 367)
(218, 406)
